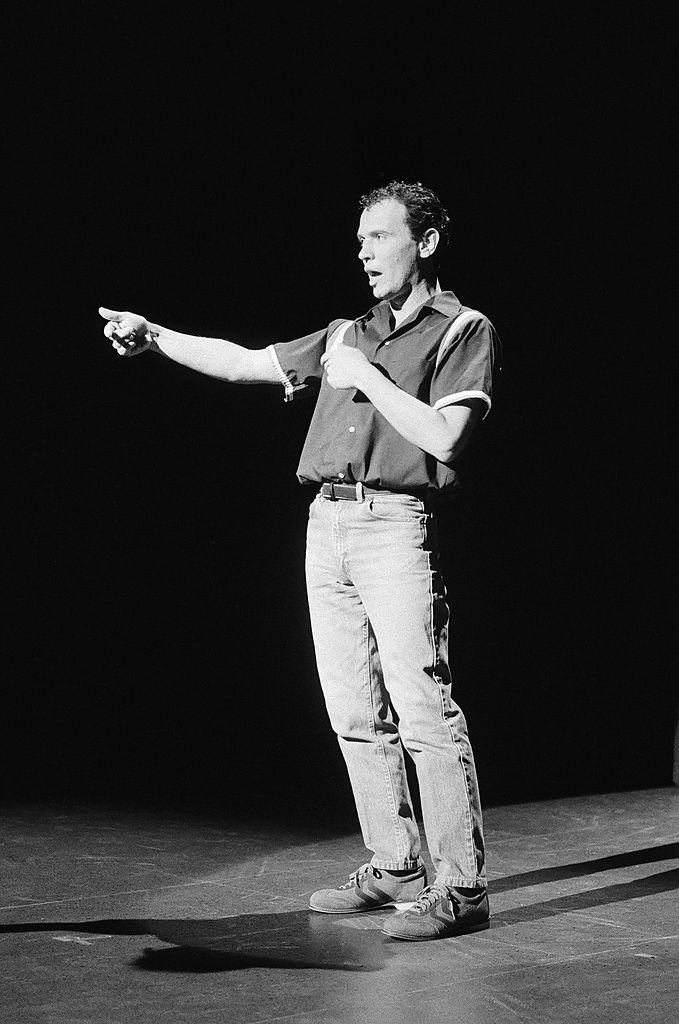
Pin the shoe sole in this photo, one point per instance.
(482, 927)
(366, 910)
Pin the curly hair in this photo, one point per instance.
(424, 210)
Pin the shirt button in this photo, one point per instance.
(341, 476)
(352, 429)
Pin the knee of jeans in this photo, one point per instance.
(341, 718)
(420, 732)
(354, 724)
(348, 726)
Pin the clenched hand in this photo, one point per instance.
(345, 367)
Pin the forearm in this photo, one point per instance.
(213, 356)
(418, 422)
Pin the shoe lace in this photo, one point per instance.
(430, 896)
(360, 873)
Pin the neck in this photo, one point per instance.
(419, 294)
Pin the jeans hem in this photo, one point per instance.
(407, 864)
(460, 882)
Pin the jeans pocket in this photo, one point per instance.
(402, 510)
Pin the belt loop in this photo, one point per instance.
(360, 494)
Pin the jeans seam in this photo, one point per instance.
(439, 683)
(380, 741)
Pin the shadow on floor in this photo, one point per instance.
(298, 939)
(664, 881)
(651, 855)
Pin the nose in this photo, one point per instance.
(365, 252)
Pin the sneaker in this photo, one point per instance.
(369, 889)
(438, 913)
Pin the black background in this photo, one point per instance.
(201, 165)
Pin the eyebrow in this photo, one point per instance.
(377, 231)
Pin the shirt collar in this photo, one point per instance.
(445, 302)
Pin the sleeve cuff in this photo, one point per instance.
(282, 375)
(460, 396)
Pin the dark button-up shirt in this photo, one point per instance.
(442, 353)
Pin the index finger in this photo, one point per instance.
(110, 314)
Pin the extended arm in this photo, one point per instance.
(442, 433)
(130, 334)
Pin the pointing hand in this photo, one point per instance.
(129, 333)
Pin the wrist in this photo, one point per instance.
(153, 332)
(367, 376)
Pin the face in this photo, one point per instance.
(388, 251)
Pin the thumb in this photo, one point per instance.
(110, 314)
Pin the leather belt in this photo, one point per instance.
(357, 492)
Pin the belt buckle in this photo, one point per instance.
(331, 495)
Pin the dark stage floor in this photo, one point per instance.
(120, 915)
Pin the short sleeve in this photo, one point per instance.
(298, 363)
(467, 360)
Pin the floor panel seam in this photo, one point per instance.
(102, 896)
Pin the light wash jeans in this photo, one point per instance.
(380, 625)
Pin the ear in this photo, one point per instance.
(426, 247)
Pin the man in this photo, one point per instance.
(399, 392)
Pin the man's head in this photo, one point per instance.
(402, 230)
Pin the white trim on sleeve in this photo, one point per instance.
(461, 321)
(337, 337)
(460, 396)
(281, 374)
